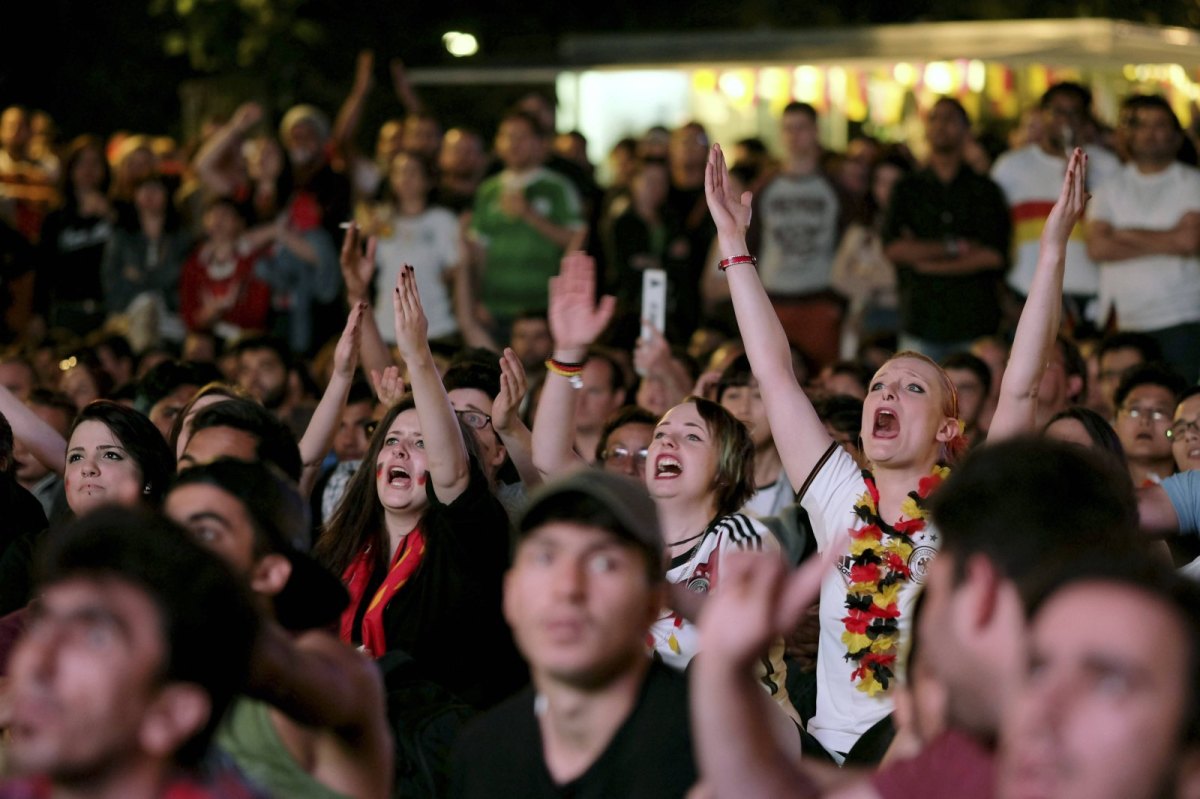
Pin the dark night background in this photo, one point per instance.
(100, 66)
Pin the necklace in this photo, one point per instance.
(690, 540)
(879, 555)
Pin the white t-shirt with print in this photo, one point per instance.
(432, 243)
(676, 640)
(844, 713)
(1154, 291)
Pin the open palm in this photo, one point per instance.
(576, 320)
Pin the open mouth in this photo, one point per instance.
(397, 476)
(887, 425)
(667, 467)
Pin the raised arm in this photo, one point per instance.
(445, 451)
(318, 436)
(575, 322)
(320, 682)
(39, 437)
(1038, 325)
(207, 162)
(506, 418)
(358, 267)
(349, 116)
(738, 755)
(799, 434)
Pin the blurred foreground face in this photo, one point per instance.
(1102, 711)
(85, 679)
(579, 603)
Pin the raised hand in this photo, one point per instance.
(576, 320)
(730, 212)
(388, 385)
(653, 354)
(358, 267)
(513, 386)
(345, 354)
(247, 116)
(412, 328)
(1072, 201)
(363, 66)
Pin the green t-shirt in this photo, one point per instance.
(519, 260)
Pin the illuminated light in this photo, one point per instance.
(459, 44)
(976, 76)
(1142, 72)
(808, 84)
(68, 363)
(772, 83)
(1130, 72)
(837, 86)
(704, 80)
(939, 77)
(905, 74)
(733, 85)
(1178, 76)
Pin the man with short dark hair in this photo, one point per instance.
(137, 644)
(525, 217)
(947, 232)
(1116, 354)
(262, 370)
(1145, 401)
(795, 231)
(311, 691)
(1144, 232)
(601, 719)
(1109, 710)
(241, 429)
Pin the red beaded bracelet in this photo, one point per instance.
(735, 260)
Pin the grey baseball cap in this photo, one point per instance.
(625, 498)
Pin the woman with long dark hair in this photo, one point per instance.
(419, 540)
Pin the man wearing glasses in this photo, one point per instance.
(1145, 401)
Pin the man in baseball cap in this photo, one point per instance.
(601, 718)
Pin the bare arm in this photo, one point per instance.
(318, 436)
(506, 420)
(1038, 326)
(1104, 245)
(975, 258)
(575, 322)
(319, 682)
(445, 451)
(1155, 511)
(800, 436)
(349, 116)
(405, 93)
(466, 282)
(1182, 239)
(739, 757)
(358, 268)
(40, 438)
(220, 144)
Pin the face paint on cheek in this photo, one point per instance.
(421, 479)
(378, 470)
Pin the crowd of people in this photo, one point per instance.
(347, 474)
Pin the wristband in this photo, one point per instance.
(572, 371)
(735, 260)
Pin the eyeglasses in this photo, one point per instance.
(1150, 414)
(620, 454)
(1181, 428)
(476, 420)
